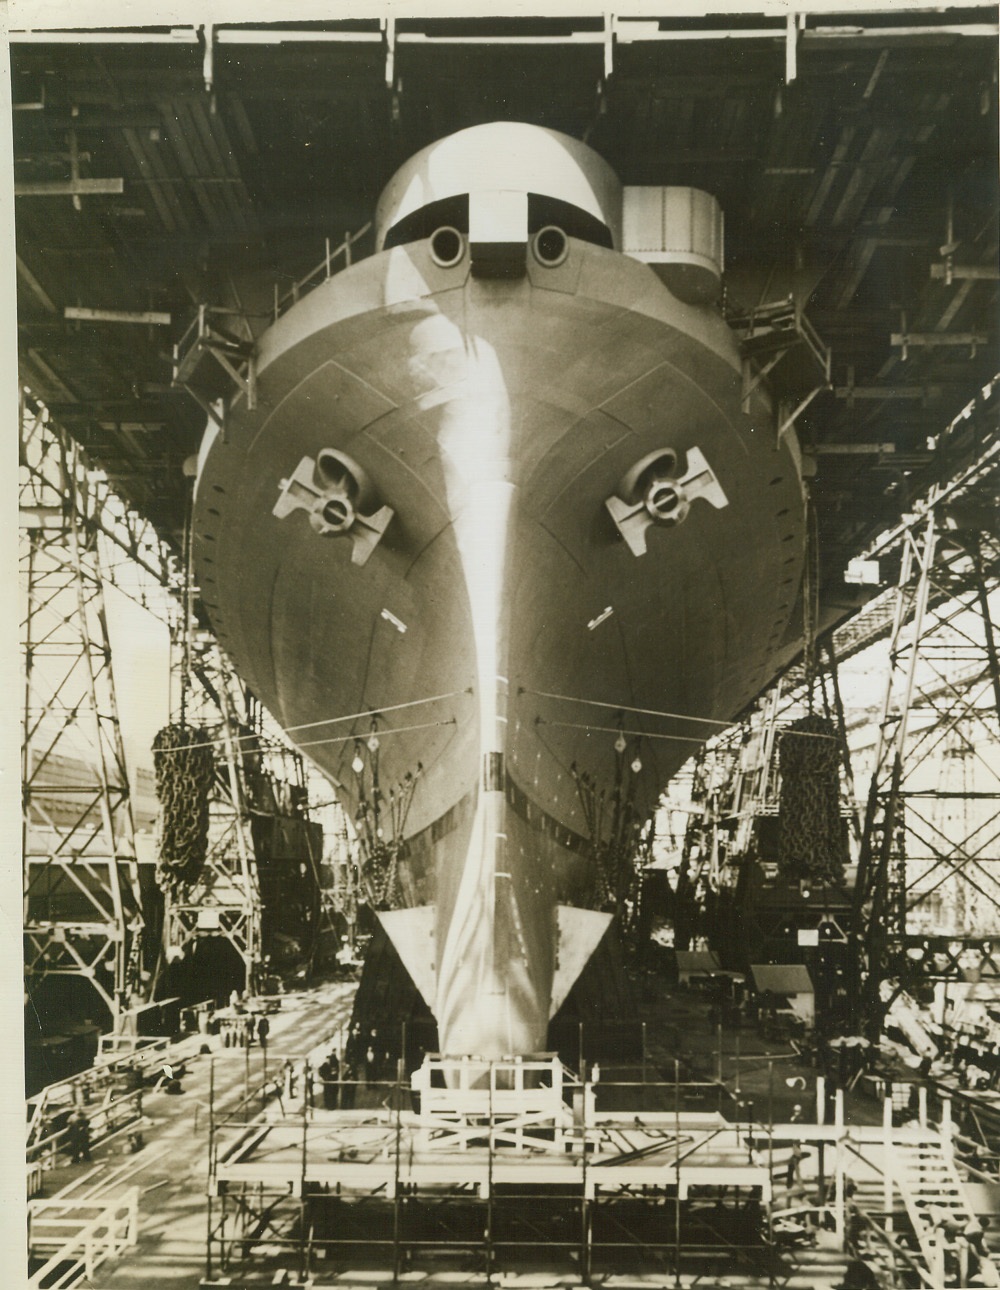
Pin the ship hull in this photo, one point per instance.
(531, 673)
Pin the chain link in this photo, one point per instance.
(184, 767)
(810, 835)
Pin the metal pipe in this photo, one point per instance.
(489, 1181)
(211, 1167)
(396, 1248)
(838, 1119)
(303, 1247)
(585, 1232)
(770, 1151)
(677, 1172)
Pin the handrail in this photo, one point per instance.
(917, 1219)
(101, 1066)
(292, 296)
(51, 1143)
(91, 1244)
(894, 1246)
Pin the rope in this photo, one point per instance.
(333, 739)
(400, 730)
(622, 707)
(615, 730)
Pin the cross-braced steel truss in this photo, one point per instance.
(82, 910)
(736, 787)
(223, 900)
(929, 866)
(262, 884)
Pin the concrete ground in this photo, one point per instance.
(769, 1075)
(171, 1168)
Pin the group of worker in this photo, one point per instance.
(336, 1080)
(244, 1026)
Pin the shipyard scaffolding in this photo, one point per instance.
(493, 1161)
(917, 902)
(249, 896)
(762, 876)
(927, 897)
(103, 924)
(489, 1168)
(86, 897)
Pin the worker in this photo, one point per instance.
(329, 1073)
(975, 1235)
(263, 1030)
(78, 1137)
(793, 1172)
(348, 1088)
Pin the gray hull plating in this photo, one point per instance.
(495, 420)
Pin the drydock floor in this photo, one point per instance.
(170, 1171)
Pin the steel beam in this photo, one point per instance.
(70, 188)
(148, 316)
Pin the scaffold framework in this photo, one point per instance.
(927, 894)
(223, 898)
(83, 913)
(90, 912)
(493, 1161)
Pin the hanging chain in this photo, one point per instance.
(184, 767)
(812, 841)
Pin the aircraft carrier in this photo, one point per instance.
(535, 454)
(581, 606)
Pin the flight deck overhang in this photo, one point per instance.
(463, 175)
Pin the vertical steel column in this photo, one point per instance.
(303, 1233)
(677, 1172)
(586, 1248)
(984, 608)
(211, 1167)
(490, 1148)
(244, 847)
(770, 1150)
(838, 707)
(397, 1175)
(918, 853)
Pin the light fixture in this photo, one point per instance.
(620, 744)
(357, 765)
(636, 765)
(373, 743)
